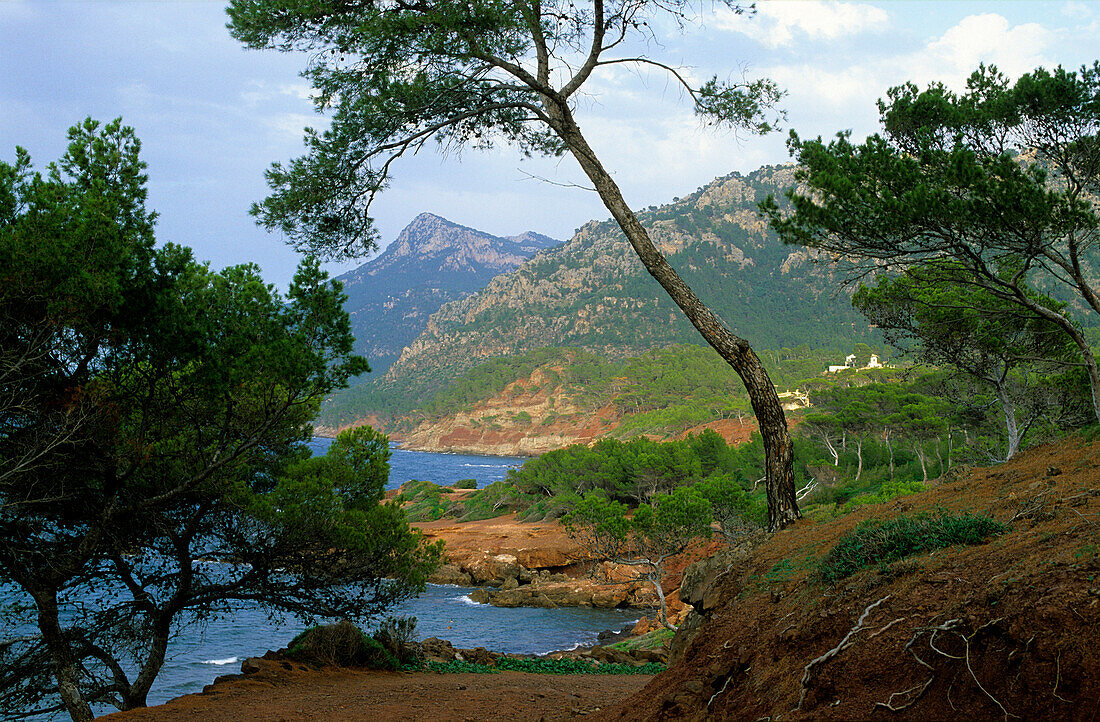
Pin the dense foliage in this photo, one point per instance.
(153, 419)
(1000, 181)
(875, 543)
(664, 391)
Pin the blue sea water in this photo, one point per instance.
(199, 654)
(443, 469)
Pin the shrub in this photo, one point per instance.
(465, 484)
(882, 542)
(541, 665)
(397, 636)
(342, 645)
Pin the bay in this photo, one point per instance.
(445, 469)
(198, 654)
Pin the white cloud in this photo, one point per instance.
(985, 39)
(288, 128)
(843, 96)
(262, 92)
(781, 22)
(1078, 10)
(16, 10)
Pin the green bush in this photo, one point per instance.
(881, 542)
(544, 666)
(342, 645)
(465, 484)
(397, 636)
(889, 490)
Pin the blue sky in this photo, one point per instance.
(212, 116)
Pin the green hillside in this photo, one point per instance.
(593, 294)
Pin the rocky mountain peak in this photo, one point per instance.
(431, 262)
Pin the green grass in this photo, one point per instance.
(656, 639)
(544, 666)
(875, 543)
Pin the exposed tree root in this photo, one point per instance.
(808, 670)
(914, 693)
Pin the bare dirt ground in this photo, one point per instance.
(537, 545)
(1004, 630)
(278, 695)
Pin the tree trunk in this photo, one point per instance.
(778, 448)
(859, 457)
(65, 667)
(138, 694)
(832, 449)
(1012, 431)
(890, 450)
(664, 605)
(919, 449)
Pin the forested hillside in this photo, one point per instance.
(592, 293)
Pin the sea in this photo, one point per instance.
(200, 654)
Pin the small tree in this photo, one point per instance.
(645, 540)
(476, 74)
(731, 507)
(153, 416)
(931, 312)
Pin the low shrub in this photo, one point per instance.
(543, 666)
(882, 542)
(343, 645)
(465, 484)
(397, 635)
(657, 639)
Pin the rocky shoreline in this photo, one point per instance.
(517, 564)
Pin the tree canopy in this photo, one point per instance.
(153, 415)
(1001, 179)
(397, 76)
(930, 312)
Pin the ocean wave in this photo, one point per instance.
(578, 645)
(465, 599)
(221, 662)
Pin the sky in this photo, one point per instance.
(213, 116)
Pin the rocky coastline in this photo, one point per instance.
(517, 564)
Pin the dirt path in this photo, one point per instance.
(358, 696)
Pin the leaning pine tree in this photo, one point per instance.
(472, 74)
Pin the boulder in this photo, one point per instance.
(515, 597)
(687, 630)
(478, 655)
(435, 649)
(700, 584)
(608, 597)
(451, 574)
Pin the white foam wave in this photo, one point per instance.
(221, 662)
(465, 599)
(578, 645)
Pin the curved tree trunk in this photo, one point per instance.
(1012, 431)
(64, 665)
(778, 448)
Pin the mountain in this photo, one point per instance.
(431, 262)
(593, 292)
